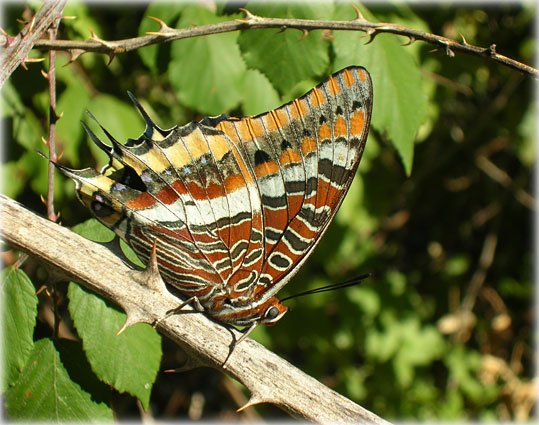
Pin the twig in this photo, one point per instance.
(51, 77)
(269, 378)
(372, 29)
(499, 175)
(19, 46)
(478, 279)
(485, 261)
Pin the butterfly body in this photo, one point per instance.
(235, 205)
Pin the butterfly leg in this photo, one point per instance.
(246, 332)
(234, 343)
(177, 310)
(193, 301)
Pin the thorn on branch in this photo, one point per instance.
(73, 55)
(32, 22)
(94, 37)
(164, 29)
(371, 33)
(45, 75)
(282, 29)
(190, 364)
(43, 287)
(448, 50)
(305, 34)
(254, 400)
(132, 319)
(411, 39)
(463, 40)
(68, 18)
(54, 116)
(8, 39)
(31, 60)
(248, 16)
(359, 17)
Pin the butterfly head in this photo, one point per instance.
(238, 313)
(273, 313)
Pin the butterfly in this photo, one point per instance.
(235, 206)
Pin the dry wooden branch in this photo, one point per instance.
(20, 45)
(372, 29)
(269, 378)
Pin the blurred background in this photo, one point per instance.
(443, 329)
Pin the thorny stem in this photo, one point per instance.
(372, 29)
(51, 76)
(18, 47)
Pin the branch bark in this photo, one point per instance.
(269, 378)
(19, 46)
(372, 29)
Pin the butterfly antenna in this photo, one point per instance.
(333, 287)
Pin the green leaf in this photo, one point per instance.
(284, 56)
(527, 149)
(72, 103)
(11, 101)
(207, 72)
(130, 254)
(463, 365)
(93, 230)
(80, 371)
(27, 130)
(19, 319)
(366, 298)
(130, 361)
(418, 346)
(259, 94)
(400, 105)
(12, 179)
(36, 169)
(138, 348)
(157, 56)
(45, 392)
(407, 343)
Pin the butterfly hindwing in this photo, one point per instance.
(236, 205)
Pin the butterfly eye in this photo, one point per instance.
(272, 313)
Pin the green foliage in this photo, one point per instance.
(130, 361)
(293, 59)
(19, 317)
(34, 398)
(207, 72)
(399, 102)
(32, 367)
(417, 215)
